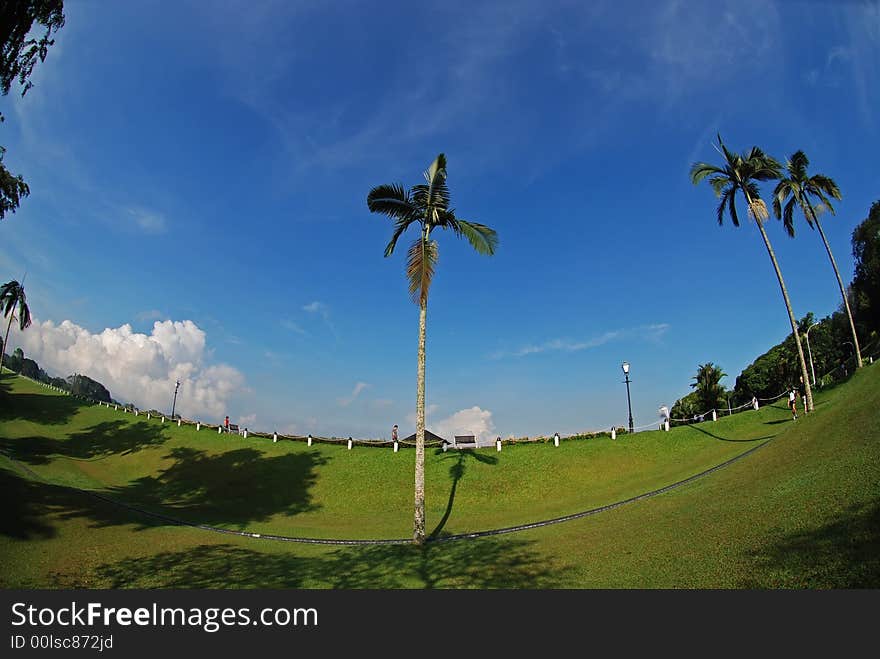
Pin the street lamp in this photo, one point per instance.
(625, 367)
(174, 404)
(807, 334)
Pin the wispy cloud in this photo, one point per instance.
(644, 333)
(323, 311)
(292, 326)
(348, 400)
(145, 220)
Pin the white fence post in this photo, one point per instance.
(245, 433)
(198, 425)
(666, 425)
(498, 445)
(163, 419)
(613, 433)
(556, 439)
(219, 430)
(274, 437)
(310, 440)
(349, 443)
(755, 402)
(178, 422)
(714, 415)
(396, 446)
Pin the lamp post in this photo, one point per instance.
(174, 404)
(810, 352)
(625, 367)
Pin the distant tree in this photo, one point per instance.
(685, 408)
(708, 388)
(16, 360)
(740, 173)
(12, 295)
(82, 385)
(426, 205)
(866, 281)
(30, 369)
(801, 187)
(19, 52)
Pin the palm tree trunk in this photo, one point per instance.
(797, 339)
(5, 339)
(852, 325)
(419, 521)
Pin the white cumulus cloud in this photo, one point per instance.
(471, 421)
(139, 368)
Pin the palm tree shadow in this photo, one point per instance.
(456, 473)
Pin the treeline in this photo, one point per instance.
(828, 342)
(77, 384)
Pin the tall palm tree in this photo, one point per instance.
(426, 205)
(708, 387)
(739, 173)
(801, 187)
(12, 295)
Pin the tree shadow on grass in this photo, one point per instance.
(47, 409)
(456, 473)
(232, 488)
(484, 564)
(97, 442)
(25, 507)
(843, 553)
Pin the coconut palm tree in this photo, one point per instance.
(12, 295)
(801, 187)
(740, 173)
(427, 206)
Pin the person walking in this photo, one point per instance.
(792, 403)
(226, 424)
(394, 433)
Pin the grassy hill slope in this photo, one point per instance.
(802, 511)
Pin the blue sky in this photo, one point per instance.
(209, 162)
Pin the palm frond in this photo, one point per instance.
(420, 264)
(780, 193)
(399, 227)
(719, 183)
(824, 185)
(797, 165)
(726, 196)
(700, 170)
(483, 239)
(788, 217)
(24, 314)
(731, 207)
(391, 200)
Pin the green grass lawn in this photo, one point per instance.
(800, 512)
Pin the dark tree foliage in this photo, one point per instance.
(30, 369)
(708, 388)
(866, 282)
(82, 385)
(19, 52)
(12, 188)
